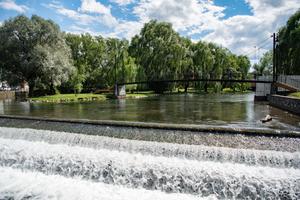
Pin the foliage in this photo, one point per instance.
(34, 50)
(289, 46)
(295, 94)
(100, 62)
(164, 55)
(265, 65)
(159, 51)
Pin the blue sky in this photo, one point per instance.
(243, 26)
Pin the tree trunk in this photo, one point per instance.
(186, 87)
(31, 88)
(52, 89)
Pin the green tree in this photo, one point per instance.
(265, 65)
(159, 52)
(203, 62)
(90, 59)
(34, 50)
(186, 71)
(288, 50)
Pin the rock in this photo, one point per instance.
(266, 119)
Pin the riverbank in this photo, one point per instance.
(65, 98)
(61, 98)
(295, 94)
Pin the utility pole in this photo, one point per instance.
(273, 86)
(274, 57)
(116, 84)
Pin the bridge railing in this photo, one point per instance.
(292, 80)
(197, 80)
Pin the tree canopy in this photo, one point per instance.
(163, 55)
(289, 46)
(34, 50)
(265, 65)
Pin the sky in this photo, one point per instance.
(243, 26)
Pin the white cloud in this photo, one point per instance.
(248, 34)
(239, 33)
(83, 18)
(127, 29)
(185, 15)
(11, 5)
(72, 14)
(92, 6)
(122, 2)
(79, 30)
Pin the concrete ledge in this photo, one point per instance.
(291, 104)
(164, 126)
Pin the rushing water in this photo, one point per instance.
(39, 164)
(213, 109)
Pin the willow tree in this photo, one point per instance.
(203, 62)
(289, 46)
(34, 51)
(158, 51)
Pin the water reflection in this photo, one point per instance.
(212, 109)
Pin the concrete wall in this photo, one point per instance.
(291, 104)
(262, 90)
(7, 95)
(120, 91)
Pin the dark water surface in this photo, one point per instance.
(214, 109)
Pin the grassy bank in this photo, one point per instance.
(60, 98)
(63, 98)
(296, 94)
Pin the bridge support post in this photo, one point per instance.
(120, 91)
(273, 88)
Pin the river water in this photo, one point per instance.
(51, 160)
(232, 110)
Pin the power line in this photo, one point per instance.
(262, 44)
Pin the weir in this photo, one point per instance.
(158, 167)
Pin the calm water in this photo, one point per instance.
(212, 109)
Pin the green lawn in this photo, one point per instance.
(69, 98)
(296, 94)
(61, 98)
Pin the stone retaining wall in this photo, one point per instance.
(291, 104)
(7, 94)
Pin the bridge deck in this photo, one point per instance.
(287, 87)
(197, 80)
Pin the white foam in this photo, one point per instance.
(15, 184)
(171, 174)
(196, 152)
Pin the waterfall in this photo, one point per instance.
(15, 184)
(194, 152)
(162, 168)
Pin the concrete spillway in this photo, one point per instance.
(76, 162)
